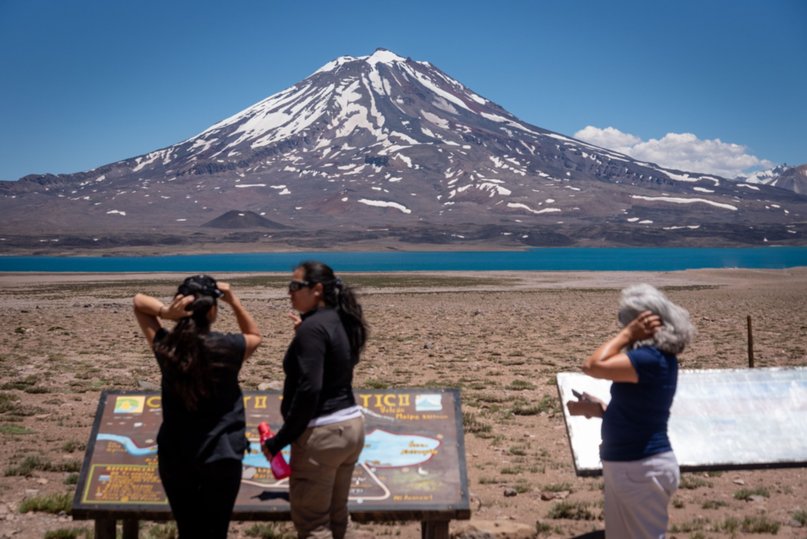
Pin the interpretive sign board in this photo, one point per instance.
(412, 466)
(720, 419)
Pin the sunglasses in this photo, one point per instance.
(294, 286)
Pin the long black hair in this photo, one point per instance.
(341, 297)
(183, 353)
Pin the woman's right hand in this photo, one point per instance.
(588, 405)
(643, 326)
(265, 450)
(177, 309)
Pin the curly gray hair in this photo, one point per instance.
(677, 330)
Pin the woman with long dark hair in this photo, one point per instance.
(322, 421)
(202, 438)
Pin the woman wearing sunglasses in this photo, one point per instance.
(322, 421)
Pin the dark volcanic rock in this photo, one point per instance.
(242, 219)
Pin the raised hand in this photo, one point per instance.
(227, 292)
(177, 309)
(643, 326)
(295, 318)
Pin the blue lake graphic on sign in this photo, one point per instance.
(387, 450)
(128, 445)
(382, 449)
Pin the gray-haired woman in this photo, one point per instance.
(640, 470)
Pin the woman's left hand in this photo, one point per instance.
(643, 326)
(226, 292)
(296, 319)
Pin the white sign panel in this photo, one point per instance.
(720, 419)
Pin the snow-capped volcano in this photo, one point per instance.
(355, 116)
(384, 146)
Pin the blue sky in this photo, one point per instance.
(715, 85)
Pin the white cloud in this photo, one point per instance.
(610, 138)
(682, 151)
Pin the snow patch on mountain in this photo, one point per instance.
(520, 206)
(385, 204)
(679, 200)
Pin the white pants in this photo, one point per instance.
(637, 494)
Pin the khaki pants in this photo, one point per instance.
(322, 463)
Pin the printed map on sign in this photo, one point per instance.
(413, 456)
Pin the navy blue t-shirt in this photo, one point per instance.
(634, 425)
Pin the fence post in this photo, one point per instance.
(750, 345)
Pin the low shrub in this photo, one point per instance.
(691, 482)
(268, 531)
(800, 516)
(48, 503)
(759, 524)
(34, 462)
(69, 533)
(163, 531)
(713, 504)
(571, 511)
(746, 493)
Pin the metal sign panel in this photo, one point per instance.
(720, 419)
(412, 465)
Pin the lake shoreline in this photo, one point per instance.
(537, 279)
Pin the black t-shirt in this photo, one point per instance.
(319, 374)
(216, 430)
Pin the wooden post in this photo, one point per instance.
(131, 529)
(750, 345)
(434, 529)
(105, 528)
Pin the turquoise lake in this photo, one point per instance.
(541, 259)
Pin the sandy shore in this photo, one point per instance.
(65, 337)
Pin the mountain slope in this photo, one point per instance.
(790, 178)
(794, 179)
(386, 147)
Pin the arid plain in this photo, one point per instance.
(499, 336)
